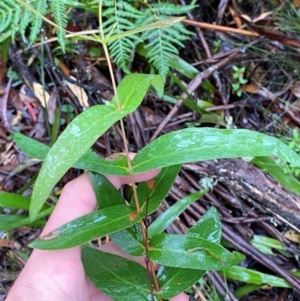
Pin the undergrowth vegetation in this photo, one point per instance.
(118, 17)
(153, 31)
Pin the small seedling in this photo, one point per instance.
(238, 75)
(295, 146)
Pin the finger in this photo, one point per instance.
(77, 199)
(141, 177)
(46, 267)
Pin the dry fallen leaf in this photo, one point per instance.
(255, 89)
(295, 88)
(9, 244)
(79, 93)
(41, 94)
(292, 235)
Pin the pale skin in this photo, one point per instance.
(59, 275)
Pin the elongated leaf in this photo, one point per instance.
(287, 180)
(208, 227)
(119, 278)
(13, 200)
(183, 66)
(88, 227)
(247, 289)
(173, 281)
(267, 245)
(89, 161)
(130, 240)
(250, 276)
(31, 147)
(106, 193)
(188, 251)
(159, 24)
(83, 131)
(8, 222)
(199, 144)
(116, 166)
(155, 190)
(165, 219)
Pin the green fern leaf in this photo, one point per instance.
(36, 24)
(169, 9)
(15, 21)
(7, 11)
(25, 20)
(121, 16)
(58, 9)
(162, 43)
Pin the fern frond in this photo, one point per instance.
(162, 43)
(160, 51)
(40, 6)
(121, 16)
(58, 9)
(169, 9)
(25, 20)
(7, 11)
(15, 21)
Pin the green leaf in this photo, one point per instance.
(209, 226)
(243, 81)
(250, 276)
(31, 147)
(13, 200)
(287, 180)
(267, 245)
(89, 161)
(8, 222)
(88, 227)
(247, 289)
(59, 12)
(155, 25)
(193, 252)
(165, 219)
(173, 281)
(83, 131)
(130, 240)
(154, 191)
(199, 144)
(183, 67)
(119, 278)
(236, 68)
(155, 194)
(116, 166)
(106, 193)
(236, 86)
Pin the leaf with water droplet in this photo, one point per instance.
(84, 130)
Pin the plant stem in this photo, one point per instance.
(138, 208)
(150, 266)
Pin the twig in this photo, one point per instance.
(193, 85)
(3, 103)
(221, 28)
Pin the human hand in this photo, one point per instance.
(59, 275)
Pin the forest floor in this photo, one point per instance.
(242, 70)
